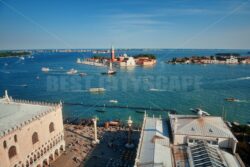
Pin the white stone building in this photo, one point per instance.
(31, 133)
(232, 60)
(128, 62)
(189, 129)
(154, 144)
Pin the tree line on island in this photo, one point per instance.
(218, 58)
(13, 54)
(150, 56)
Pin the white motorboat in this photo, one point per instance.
(97, 89)
(113, 101)
(45, 69)
(200, 111)
(71, 71)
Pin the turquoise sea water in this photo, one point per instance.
(178, 87)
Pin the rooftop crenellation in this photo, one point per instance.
(16, 113)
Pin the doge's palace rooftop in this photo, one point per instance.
(17, 113)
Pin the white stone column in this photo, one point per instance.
(95, 141)
(129, 144)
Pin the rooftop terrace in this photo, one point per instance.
(154, 147)
(17, 113)
(208, 126)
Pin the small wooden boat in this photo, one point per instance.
(140, 111)
(102, 110)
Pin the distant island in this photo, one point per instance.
(122, 60)
(13, 54)
(219, 58)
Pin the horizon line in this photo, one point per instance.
(120, 48)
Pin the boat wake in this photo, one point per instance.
(242, 101)
(78, 91)
(23, 85)
(233, 80)
(5, 72)
(242, 78)
(157, 90)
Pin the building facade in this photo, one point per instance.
(31, 133)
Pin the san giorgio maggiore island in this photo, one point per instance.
(32, 134)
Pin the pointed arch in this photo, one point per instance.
(12, 152)
(51, 127)
(35, 138)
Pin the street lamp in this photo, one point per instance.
(95, 141)
(129, 144)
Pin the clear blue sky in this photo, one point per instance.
(124, 23)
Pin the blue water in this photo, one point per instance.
(178, 87)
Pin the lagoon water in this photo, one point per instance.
(178, 87)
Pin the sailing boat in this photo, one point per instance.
(110, 70)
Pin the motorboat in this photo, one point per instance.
(232, 99)
(82, 74)
(71, 71)
(113, 101)
(229, 124)
(97, 89)
(198, 111)
(45, 69)
(235, 123)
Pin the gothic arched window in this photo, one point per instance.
(12, 152)
(51, 127)
(35, 138)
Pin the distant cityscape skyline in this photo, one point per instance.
(184, 24)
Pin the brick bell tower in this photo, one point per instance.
(112, 53)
